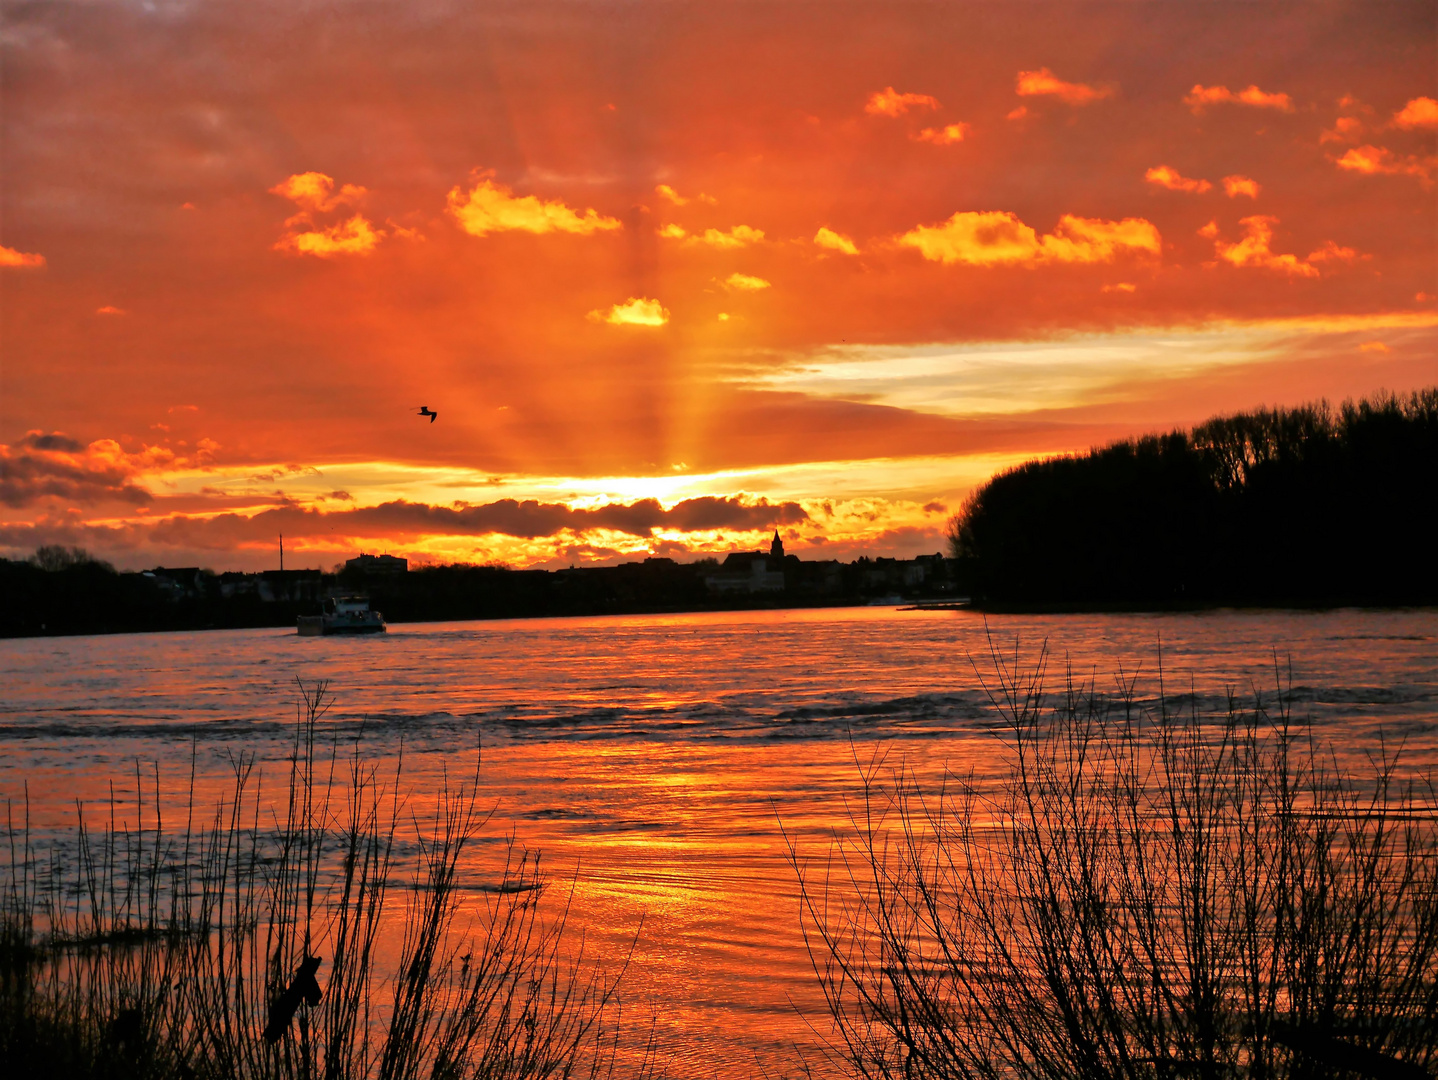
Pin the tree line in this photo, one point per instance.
(1311, 505)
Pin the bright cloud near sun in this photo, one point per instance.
(999, 238)
(489, 207)
(636, 311)
(1044, 82)
(1165, 177)
(889, 102)
(834, 241)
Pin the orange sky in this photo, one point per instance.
(673, 275)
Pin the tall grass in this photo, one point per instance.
(150, 951)
(1145, 892)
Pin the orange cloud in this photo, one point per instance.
(1345, 129)
(1421, 112)
(889, 102)
(1254, 249)
(1045, 82)
(999, 238)
(11, 257)
(672, 232)
(1374, 347)
(746, 282)
(42, 465)
(737, 237)
(489, 207)
(636, 311)
(1017, 114)
(1234, 186)
(1379, 160)
(313, 192)
(1331, 252)
(353, 237)
(1209, 231)
(944, 136)
(1165, 177)
(664, 191)
(828, 238)
(1202, 96)
(110, 309)
(1121, 287)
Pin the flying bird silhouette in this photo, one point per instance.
(424, 410)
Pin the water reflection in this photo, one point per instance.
(652, 759)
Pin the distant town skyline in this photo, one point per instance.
(674, 276)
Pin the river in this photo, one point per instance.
(653, 759)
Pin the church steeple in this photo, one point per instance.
(776, 549)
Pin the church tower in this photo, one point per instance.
(776, 549)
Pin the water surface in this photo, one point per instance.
(653, 758)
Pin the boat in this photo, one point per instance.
(343, 615)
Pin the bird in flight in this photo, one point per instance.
(424, 410)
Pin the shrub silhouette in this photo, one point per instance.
(1149, 893)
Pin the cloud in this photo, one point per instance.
(889, 102)
(1120, 287)
(664, 191)
(1374, 347)
(1345, 129)
(1165, 177)
(41, 465)
(1044, 82)
(745, 282)
(944, 136)
(1421, 112)
(999, 238)
(1017, 114)
(489, 207)
(1234, 186)
(110, 309)
(1200, 97)
(1254, 249)
(528, 519)
(636, 311)
(1332, 252)
(672, 232)
(737, 237)
(353, 237)
(1380, 161)
(828, 238)
(314, 193)
(11, 257)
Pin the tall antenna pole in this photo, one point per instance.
(282, 551)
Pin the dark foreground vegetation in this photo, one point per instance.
(247, 942)
(1147, 893)
(1307, 506)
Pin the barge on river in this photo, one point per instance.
(343, 615)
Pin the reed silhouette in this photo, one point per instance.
(1150, 892)
(248, 943)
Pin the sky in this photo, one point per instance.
(673, 275)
